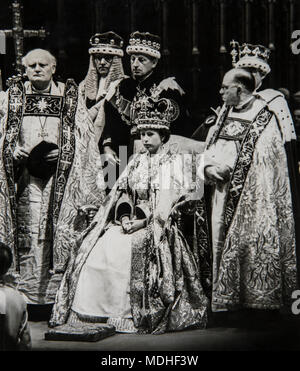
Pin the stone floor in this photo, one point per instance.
(251, 332)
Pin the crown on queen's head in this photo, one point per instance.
(255, 56)
(107, 43)
(153, 113)
(144, 43)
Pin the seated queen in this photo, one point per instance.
(133, 267)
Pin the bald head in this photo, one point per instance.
(237, 85)
(297, 117)
(40, 66)
(243, 78)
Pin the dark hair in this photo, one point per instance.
(253, 70)
(165, 134)
(6, 258)
(244, 78)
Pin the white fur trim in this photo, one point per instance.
(253, 62)
(105, 49)
(269, 94)
(125, 325)
(140, 49)
(278, 105)
(154, 126)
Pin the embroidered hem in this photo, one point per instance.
(124, 325)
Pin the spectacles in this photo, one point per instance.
(107, 58)
(229, 87)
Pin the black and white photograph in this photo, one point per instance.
(149, 178)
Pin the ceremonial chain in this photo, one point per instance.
(43, 132)
(119, 101)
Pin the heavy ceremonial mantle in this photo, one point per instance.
(19, 105)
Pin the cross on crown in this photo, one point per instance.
(249, 55)
(255, 50)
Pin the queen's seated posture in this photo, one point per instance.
(133, 266)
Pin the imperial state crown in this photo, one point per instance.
(153, 113)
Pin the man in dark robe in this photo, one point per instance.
(120, 138)
(105, 72)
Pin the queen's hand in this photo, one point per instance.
(111, 156)
(131, 226)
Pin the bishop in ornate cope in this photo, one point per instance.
(104, 74)
(50, 167)
(252, 223)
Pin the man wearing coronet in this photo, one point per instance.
(120, 129)
(252, 229)
(105, 72)
(254, 59)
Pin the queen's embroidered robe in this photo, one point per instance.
(165, 281)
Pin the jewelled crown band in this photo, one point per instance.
(144, 43)
(139, 43)
(152, 113)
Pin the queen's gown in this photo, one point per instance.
(149, 280)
